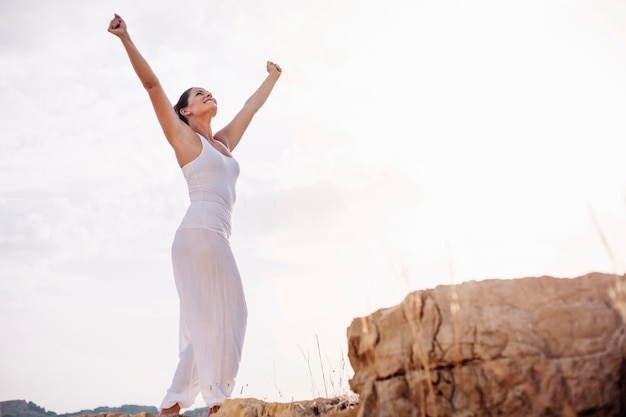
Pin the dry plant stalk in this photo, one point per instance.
(605, 240)
(618, 293)
(319, 353)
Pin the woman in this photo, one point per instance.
(213, 310)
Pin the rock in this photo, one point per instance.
(250, 407)
(525, 347)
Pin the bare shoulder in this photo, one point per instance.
(186, 144)
(222, 137)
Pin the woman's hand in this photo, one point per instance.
(117, 26)
(274, 68)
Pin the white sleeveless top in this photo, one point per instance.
(211, 180)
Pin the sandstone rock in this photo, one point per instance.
(526, 347)
(250, 407)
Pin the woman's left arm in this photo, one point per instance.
(231, 133)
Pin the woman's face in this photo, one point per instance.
(201, 101)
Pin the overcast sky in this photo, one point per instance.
(408, 144)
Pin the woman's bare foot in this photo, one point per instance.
(214, 409)
(175, 409)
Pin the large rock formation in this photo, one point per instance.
(526, 347)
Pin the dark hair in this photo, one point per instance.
(183, 102)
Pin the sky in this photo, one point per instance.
(408, 144)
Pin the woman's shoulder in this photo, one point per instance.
(222, 138)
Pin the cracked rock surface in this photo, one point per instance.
(527, 347)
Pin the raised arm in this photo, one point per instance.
(169, 121)
(231, 134)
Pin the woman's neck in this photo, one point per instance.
(203, 128)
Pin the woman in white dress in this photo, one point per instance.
(213, 310)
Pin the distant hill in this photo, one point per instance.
(126, 409)
(21, 408)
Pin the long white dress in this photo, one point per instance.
(213, 311)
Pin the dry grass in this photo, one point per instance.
(617, 294)
(334, 379)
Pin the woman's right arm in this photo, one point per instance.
(168, 119)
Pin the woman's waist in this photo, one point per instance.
(208, 215)
(223, 196)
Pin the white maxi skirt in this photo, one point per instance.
(213, 317)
